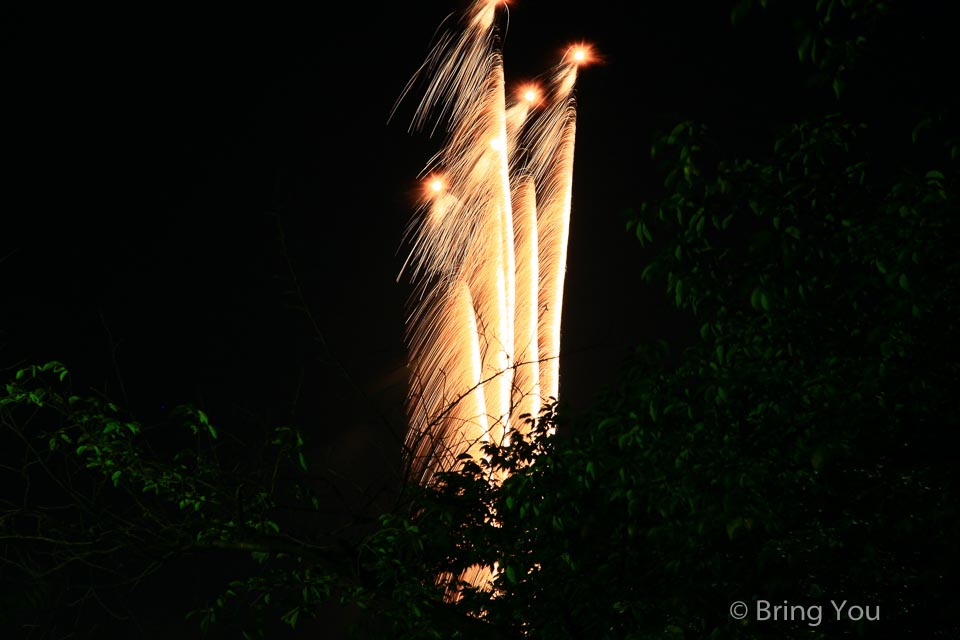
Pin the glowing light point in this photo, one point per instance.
(497, 144)
(582, 54)
(434, 186)
(529, 93)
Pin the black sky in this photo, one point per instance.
(153, 154)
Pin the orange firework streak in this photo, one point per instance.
(488, 250)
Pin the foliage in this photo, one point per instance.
(800, 449)
(101, 510)
(808, 422)
(797, 451)
(834, 36)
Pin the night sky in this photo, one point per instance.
(153, 157)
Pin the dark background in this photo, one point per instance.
(153, 156)
(167, 171)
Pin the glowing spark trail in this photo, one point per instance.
(488, 246)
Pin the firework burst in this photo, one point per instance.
(488, 244)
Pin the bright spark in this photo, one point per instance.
(529, 93)
(582, 54)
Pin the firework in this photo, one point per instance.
(488, 246)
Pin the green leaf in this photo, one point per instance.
(645, 275)
(804, 47)
(291, 617)
(904, 282)
(838, 87)
(733, 526)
